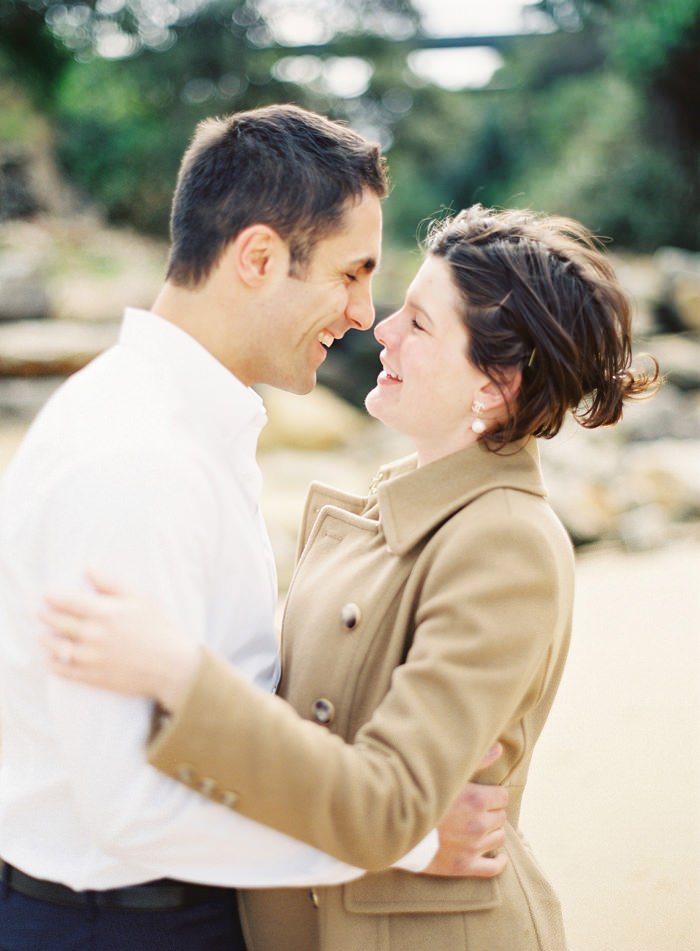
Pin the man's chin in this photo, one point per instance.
(300, 387)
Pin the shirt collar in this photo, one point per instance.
(218, 399)
(413, 501)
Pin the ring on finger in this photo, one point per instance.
(65, 652)
(70, 627)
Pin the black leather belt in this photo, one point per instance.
(160, 895)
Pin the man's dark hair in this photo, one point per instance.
(281, 166)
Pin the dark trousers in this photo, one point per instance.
(27, 924)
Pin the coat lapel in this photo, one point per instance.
(413, 503)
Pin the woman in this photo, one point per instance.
(425, 621)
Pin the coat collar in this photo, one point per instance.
(413, 501)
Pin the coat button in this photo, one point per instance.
(228, 798)
(323, 711)
(313, 896)
(185, 774)
(207, 786)
(350, 616)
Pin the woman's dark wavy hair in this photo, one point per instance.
(540, 296)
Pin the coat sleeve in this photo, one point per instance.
(490, 608)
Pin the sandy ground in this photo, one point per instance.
(613, 804)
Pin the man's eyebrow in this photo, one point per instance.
(367, 264)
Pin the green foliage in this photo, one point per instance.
(116, 146)
(20, 124)
(636, 195)
(29, 52)
(599, 120)
(572, 129)
(123, 123)
(647, 34)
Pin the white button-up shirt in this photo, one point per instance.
(142, 465)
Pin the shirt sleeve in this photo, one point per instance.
(151, 524)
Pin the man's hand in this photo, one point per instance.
(472, 830)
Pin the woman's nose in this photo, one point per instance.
(385, 332)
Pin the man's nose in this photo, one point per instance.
(360, 309)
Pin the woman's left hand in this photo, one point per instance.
(114, 640)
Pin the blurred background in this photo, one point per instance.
(583, 107)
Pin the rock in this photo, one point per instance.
(30, 181)
(576, 466)
(316, 421)
(584, 508)
(680, 287)
(88, 271)
(670, 413)
(23, 293)
(99, 270)
(679, 359)
(644, 527)
(17, 197)
(639, 275)
(666, 473)
(51, 347)
(607, 488)
(21, 398)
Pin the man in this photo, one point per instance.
(143, 465)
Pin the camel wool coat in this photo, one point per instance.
(423, 623)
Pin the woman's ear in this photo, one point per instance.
(494, 398)
(258, 253)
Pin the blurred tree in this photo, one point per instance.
(573, 123)
(598, 119)
(29, 51)
(125, 81)
(650, 192)
(653, 43)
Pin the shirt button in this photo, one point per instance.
(350, 616)
(323, 711)
(313, 895)
(185, 774)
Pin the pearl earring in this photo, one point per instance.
(478, 424)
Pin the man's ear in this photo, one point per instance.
(258, 253)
